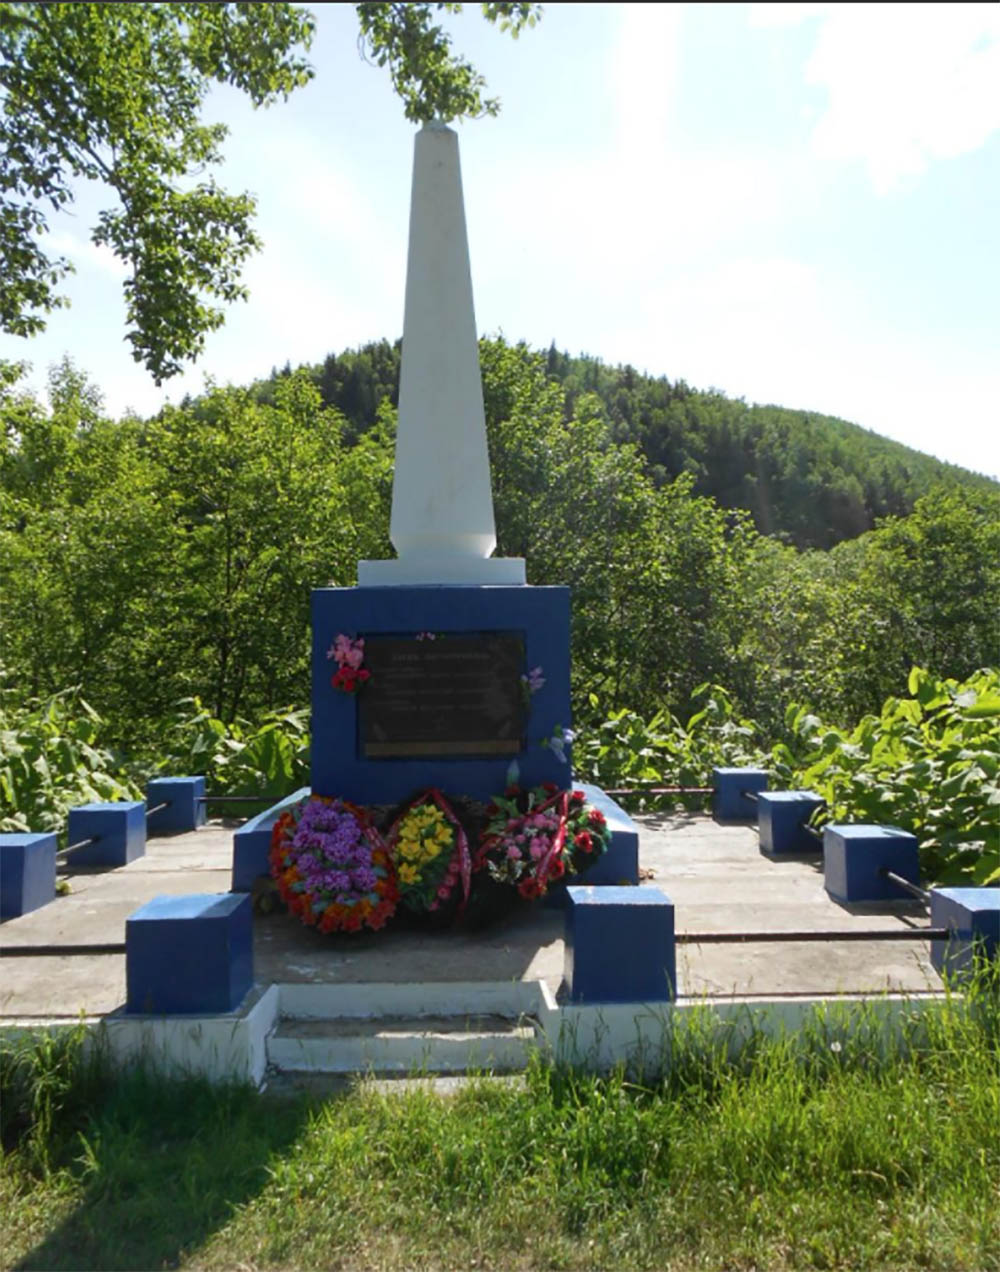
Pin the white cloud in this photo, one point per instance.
(83, 253)
(779, 15)
(906, 84)
(644, 79)
(779, 330)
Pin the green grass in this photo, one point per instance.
(831, 1149)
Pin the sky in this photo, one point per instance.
(794, 204)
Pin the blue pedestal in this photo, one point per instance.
(252, 843)
(189, 954)
(119, 832)
(781, 818)
(728, 802)
(619, 945)
(854, 855)
(184, 811)
(973, 915)
(27, 873)
(539, 615)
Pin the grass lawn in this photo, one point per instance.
(798, 1153)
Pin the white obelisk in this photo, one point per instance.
(442, 523)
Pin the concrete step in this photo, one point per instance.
(403, 1045)
(294, 1084)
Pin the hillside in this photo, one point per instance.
(811, 480)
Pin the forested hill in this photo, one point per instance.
(809, 479)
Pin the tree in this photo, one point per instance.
(113, 93)
(431, 80)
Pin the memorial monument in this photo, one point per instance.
(466, 667)
(442, 669)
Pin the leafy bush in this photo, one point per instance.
(626, 751)
(52, 759)
(270, 758)
(929, 764)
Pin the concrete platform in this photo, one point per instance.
(715, 874)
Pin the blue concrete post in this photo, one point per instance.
(252, 843)
(27, 873)
(118, 831)
(189, 954)
(781, 819)
(853, 857)
(729, 803)
(185, 808)
(973, 917)
(619, 945)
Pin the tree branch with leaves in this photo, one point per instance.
(114, 92)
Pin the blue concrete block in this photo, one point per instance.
(119, 832)
(540, 615)
(781, 818)
(27, 873)
(619, 945)
(189, 954)
(184, 811)
(252, 843)
(973, 915)
(854, 855)
(728, 802)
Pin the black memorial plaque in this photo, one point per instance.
(453, 696)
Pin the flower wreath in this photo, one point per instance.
(535, 837)
(332, 867)
(431, 855)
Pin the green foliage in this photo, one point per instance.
(840, 630)
(172, 559)
(433, 83)
(849, 1142)
(271, 758)
(806, 479)
(809, 479)
(651, 570)
(625, 751)
(113, 93)
(48, 1084)
(158, 561)
(51, 760)
(929, 763)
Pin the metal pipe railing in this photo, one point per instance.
(876, 934)
(682, 938)
(61, 852)
(659, 790)
(920, 893)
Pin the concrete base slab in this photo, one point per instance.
(715, 876)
